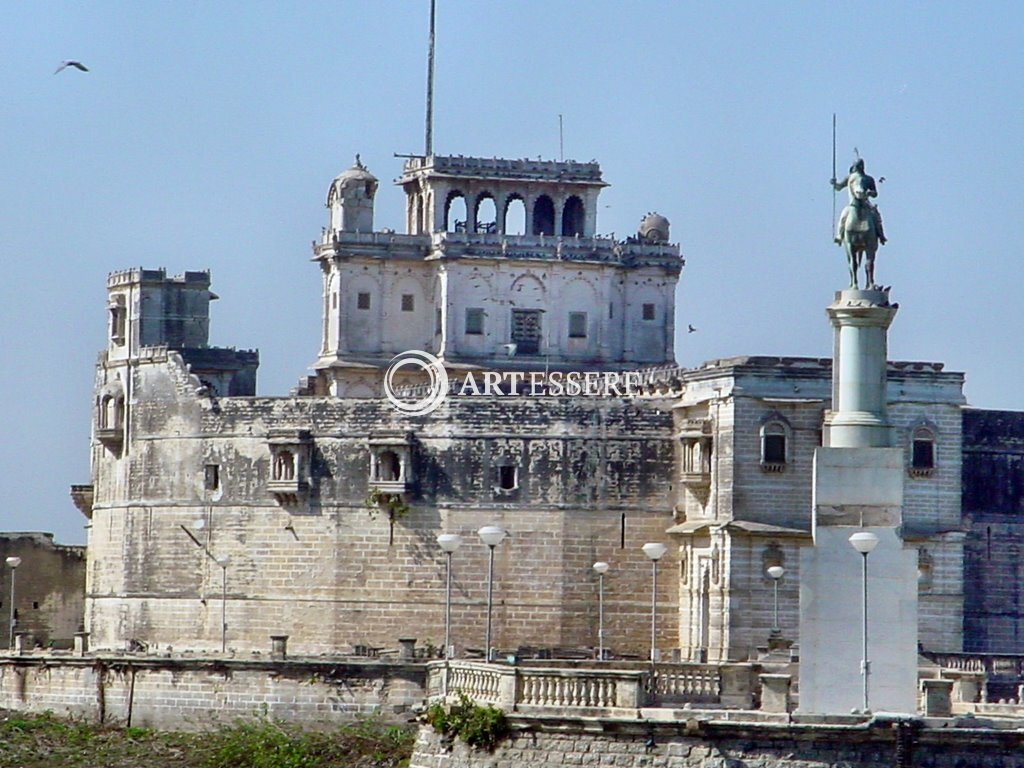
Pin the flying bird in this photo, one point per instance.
(690, 328)
(76, 64)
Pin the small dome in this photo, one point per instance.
(356, 181)
(654, 228)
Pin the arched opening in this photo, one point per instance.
(543, 216)
(515, 216)
(420, 215)
(922, 452)
(284, 466)
(486, 214)
(104, 412)
(388, 467)
(773, 446)
(455, 212)
(572, 217)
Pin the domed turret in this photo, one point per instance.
(350, 200)
(653, 228)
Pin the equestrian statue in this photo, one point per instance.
(860, 226)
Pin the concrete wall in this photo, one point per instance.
(187, 694)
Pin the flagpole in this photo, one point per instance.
(833, 227)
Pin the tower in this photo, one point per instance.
(500, 267)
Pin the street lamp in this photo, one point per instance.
(775, 573)
(864, 542)
(655, 551)
(449, 542)
(223, 561)
(492, 536)
(600, 568)
(12, 563)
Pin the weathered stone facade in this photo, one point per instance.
(747, 432)
(49, 593)
(993, 499)
(716, 459)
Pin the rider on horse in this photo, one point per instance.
(861, 188)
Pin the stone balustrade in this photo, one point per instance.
(568, 686)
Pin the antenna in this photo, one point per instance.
(429, 148)
(561, 142)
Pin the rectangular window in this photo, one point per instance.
(526, 331)
(648, 311)
(363, 301)
(334, 301)
(408, 302)
(211, 477)
(577, 325)
(437, 321)
(474, 321)
(924, 454)
(774, 449)
(611, 311)
(507, 478)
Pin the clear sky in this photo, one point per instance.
(205, 135)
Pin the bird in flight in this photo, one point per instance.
(690, 328)
(76, 64)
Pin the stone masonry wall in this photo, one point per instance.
(49, 592)
(594, 483)
(187, 694)
(693, 744)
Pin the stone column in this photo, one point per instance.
(861, 320)
(858, 486)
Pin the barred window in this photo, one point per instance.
(474, 321)
(363, 301)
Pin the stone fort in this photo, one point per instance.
(315, 515)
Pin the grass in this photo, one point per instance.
(43, 741)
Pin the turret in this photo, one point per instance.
(350, 200)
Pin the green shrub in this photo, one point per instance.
(482, 727)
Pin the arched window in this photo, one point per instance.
(455, 212)
(388, 467)
(572, 217)
(284, 466)
(922, 452)
(774, 446)
(486, 214)
(543, 216)
(515, 216)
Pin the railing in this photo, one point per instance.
(689, 683)
(1009, 666)
(571, 686)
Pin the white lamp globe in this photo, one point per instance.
(601, 567)
(655, 550)
(491, 535)
(13, 562)
(864, 542)
(776, 572)
(449, 542)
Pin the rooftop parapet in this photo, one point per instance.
(568, 171)
(140, 275)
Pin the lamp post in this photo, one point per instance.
(449, 542)
(12, 563)
(864, 542)
(600, 568)
(223, 561)
(775, 573)
(655, 551)
(492, 536)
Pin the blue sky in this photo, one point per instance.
(206, 135)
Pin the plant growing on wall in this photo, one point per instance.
(481, 727)
(390, 503)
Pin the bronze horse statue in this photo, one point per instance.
(860, 240)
